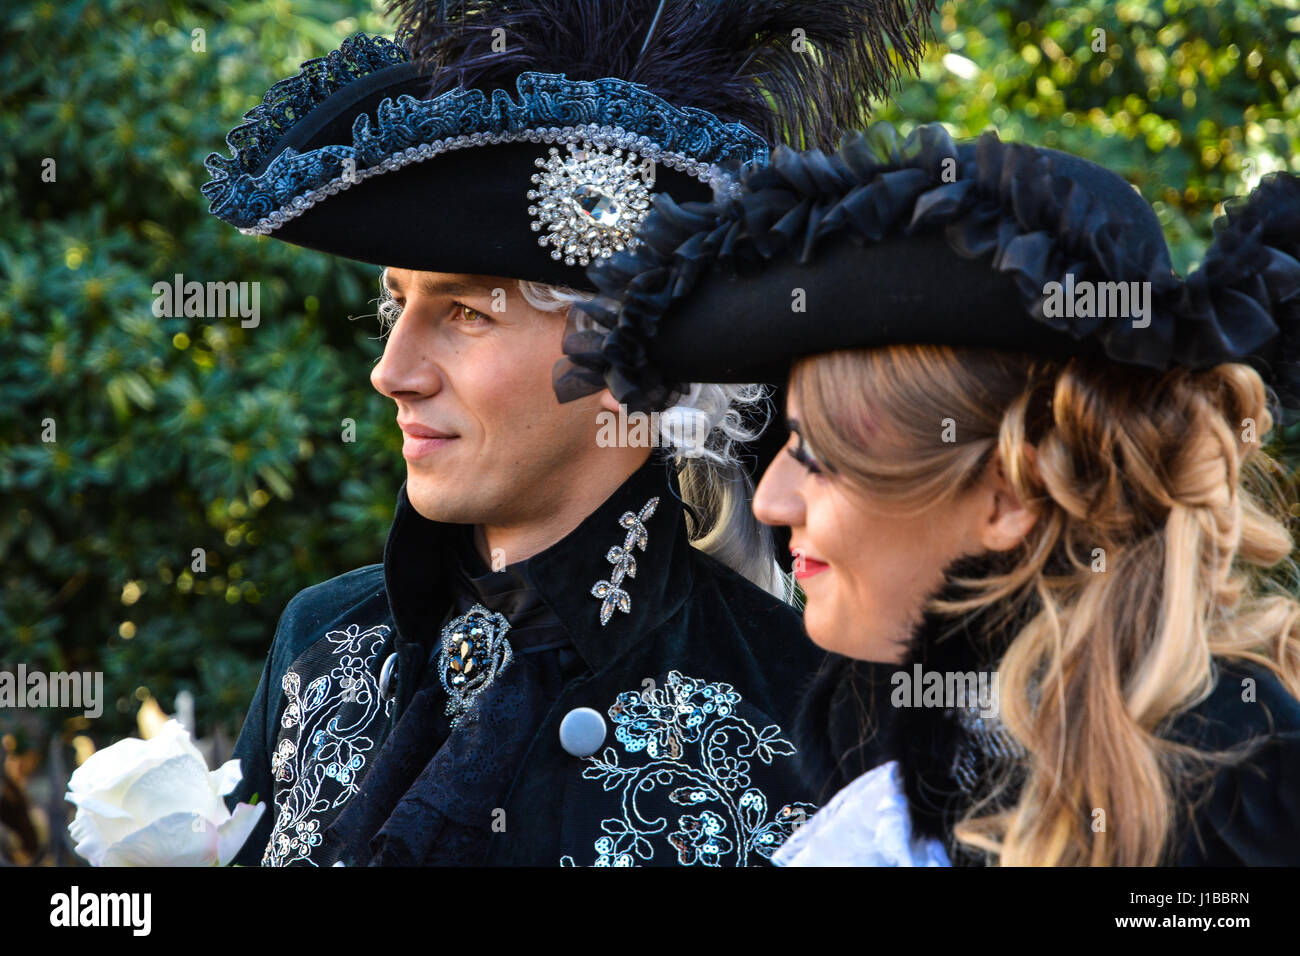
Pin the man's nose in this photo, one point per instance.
(407, 365)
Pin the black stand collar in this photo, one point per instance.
(420, 559)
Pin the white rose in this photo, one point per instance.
(155, 803)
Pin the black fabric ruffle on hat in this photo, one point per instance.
(1039, 215)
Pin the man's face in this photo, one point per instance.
(468, 363)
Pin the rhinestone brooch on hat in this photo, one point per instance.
(472, 652)
(591, 202)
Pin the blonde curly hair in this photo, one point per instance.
(1160, 515)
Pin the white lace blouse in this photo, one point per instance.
(865, 824)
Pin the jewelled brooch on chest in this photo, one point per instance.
(472, 652)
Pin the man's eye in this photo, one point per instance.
(462, 311)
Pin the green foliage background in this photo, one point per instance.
(175, 434)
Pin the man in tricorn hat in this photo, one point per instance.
(575, 650)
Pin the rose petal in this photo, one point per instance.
(113, 766)
(98, 831)
(169, 841)
(233, 834)
(98, 806)
(180, 784)
(89, 840)
(110, 772)
(226, 777)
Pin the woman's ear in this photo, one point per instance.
(1007, 519)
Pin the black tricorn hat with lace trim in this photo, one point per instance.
(430, 152)
(927, 241)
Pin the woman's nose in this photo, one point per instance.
(777, 500)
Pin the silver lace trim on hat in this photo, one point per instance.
(608, 137)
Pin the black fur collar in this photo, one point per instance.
(848, 723)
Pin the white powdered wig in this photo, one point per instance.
(715, 486)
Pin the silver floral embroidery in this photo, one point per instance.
(324, 746)
(624, 561)
(698, 745)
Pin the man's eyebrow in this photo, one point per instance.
(435, 287)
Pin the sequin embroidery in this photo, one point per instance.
(688, 737)
(624, 560)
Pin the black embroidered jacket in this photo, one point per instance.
(695, 671)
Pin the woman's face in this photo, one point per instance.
(865, 569)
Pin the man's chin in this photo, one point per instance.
(439, 500)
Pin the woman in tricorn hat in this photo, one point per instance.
(1026, 461)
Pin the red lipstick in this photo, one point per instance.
(806, 567)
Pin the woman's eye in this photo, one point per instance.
(800, 454)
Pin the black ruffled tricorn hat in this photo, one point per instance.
(430, 152)
(927, 241)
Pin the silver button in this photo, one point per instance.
(582, 731)
(386, 675)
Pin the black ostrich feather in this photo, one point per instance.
(735, 58)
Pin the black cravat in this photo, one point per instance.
(533, 625)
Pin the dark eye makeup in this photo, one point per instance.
(801, 454)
